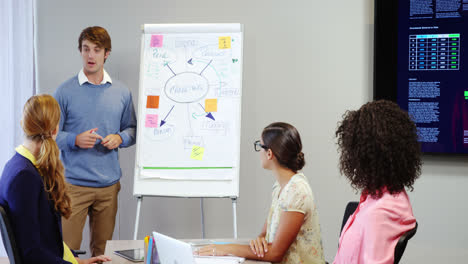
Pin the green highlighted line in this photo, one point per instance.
(185, 168)
(454, 35)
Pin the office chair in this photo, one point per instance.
(350, 208)
(8, 238)
(401, 245)
(402, 242)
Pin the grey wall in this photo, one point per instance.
(305, 62)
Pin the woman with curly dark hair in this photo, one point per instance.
(380, 156)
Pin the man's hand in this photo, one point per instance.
(112, 141)
(87, 139)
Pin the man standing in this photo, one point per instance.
(97, 117)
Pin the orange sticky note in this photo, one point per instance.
(211, 105)
(224, 42)
(152, 101)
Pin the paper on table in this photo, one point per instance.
(219, 260)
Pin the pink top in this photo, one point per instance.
(372, 231)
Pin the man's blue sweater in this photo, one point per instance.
(109, 108)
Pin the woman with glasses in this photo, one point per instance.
(291, 233)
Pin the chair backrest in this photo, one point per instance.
(8, 238)
(350, 208)
(402, 242)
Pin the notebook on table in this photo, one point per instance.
(173, 251)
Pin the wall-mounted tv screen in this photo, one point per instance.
(421, 62)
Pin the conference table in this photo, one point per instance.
(113, 245)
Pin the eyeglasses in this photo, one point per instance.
(258, 146)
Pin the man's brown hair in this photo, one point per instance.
(97, 35)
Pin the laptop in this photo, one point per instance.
(173, 251)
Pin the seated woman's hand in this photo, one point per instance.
(259, 246)
(98, 259)
(214, 250)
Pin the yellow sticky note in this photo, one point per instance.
(211, 105)
(197, 153)
(224, 42)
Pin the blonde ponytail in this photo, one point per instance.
(41, 115)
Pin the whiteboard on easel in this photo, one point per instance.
(189, 113)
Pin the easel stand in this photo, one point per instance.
(234, 216)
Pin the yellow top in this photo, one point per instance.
(23, 151)
(67, 254)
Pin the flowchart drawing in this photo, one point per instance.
(192, 89)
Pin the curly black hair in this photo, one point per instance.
(379, 148)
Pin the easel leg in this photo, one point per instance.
(202, 218)
(137, 219)
(234, 215)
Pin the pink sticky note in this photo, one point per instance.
(151, 121)
(156, 41)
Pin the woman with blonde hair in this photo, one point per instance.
(33, 190)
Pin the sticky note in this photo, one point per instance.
(197, 153)
(156, 41)
(211, 105)
(151, 121)
(224, 42)
(152, 101)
